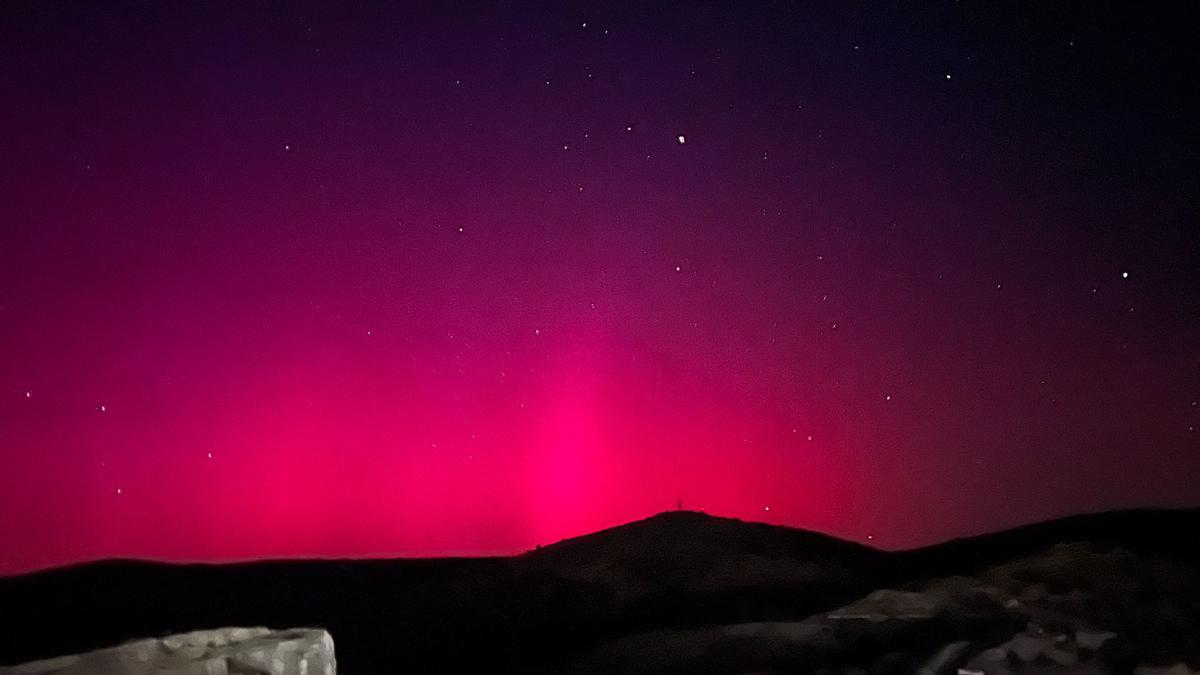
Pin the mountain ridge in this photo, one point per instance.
(539, 610)
(1044, 532)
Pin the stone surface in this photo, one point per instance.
(1079, 609)
(1093, 639)
(223, 651)
(942, 660)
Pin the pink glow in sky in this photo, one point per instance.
(397, 281)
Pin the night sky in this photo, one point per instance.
(356, 279)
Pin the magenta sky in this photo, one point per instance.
(362, 281)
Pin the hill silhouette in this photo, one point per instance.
(698, 582)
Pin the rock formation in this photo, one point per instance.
(223, 651)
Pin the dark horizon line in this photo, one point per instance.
(1025, 528)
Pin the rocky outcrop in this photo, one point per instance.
(1072, 609)
(223, 651)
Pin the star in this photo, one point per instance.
(1124, 275)
(118, 490)
(678, 268)
(766, 508)
(103, 408)
(682, 139)
(210, 455)
(947, 76)
(29, 394)
(287, 147)
(888, 397)
(808, 438)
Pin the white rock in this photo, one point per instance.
(53, 665)
(213, 652)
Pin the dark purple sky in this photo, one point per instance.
(361, 279)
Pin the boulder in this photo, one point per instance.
(223, 651)
(942, 661)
